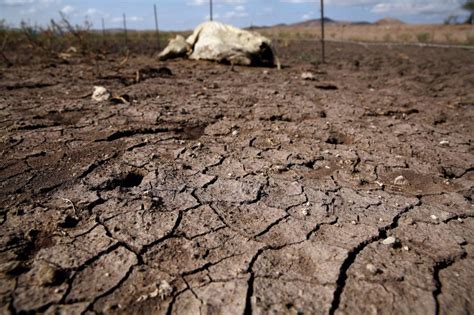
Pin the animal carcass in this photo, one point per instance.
(226, 44)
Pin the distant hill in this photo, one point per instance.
(389, 21)
(314, 22)
(317, 22)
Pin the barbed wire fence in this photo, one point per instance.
(60, 35)
(211, 18)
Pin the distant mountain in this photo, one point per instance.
(314, 22)
(317, 22)
(389, 21)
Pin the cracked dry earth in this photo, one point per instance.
(241, 191)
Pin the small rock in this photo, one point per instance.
(353, 222)
(71, 50)
(400, 181)
(100, 94)
(390, 240)
(433, 217)
(155, 293)
(164, 289)
(280, 168)
(444, 143)
(409, 221)
(406, 248)
(48, 275)
(460, 240)
(372, 269)
(305, 212)
(308, 76)
(235, 133)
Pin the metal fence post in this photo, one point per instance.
(103, 33)
(125, 29)
(210, 9)
(323, 53)
(156, 27)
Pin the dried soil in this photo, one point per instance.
(232, 190)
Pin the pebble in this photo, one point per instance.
(400, 181)
(389, 240)
(444, 143)
(100, 94)
(460, 240)
(308, 76)
(409, 221)
(280, 168)
(47, 275)
(305, 212)
(164, 289)
(372, 269)
(235, 133)
(406, 248)
(154, 293)
(433, 217)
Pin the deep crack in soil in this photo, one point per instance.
(219, 190)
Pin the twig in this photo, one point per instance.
(72, 204)
(2, 48)
(125, 60)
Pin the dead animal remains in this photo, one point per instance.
(223, 43)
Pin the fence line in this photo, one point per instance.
(362, 43)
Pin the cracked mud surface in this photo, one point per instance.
(241, 191)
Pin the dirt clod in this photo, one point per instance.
(48, 275)
(100, 94)
(400, 181)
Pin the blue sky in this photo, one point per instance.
(186, 14)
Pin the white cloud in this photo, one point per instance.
(396, 7)
(238, 11)
(92, 11)
(353, 2)
(417, 7)
(206, 2)
(308, 16)
(337, 2)
(30, 11)
(68, 9)
(129, 19)
(215, 16)
(17, 2)
(235, 14)
(27, 2)
(135, 19)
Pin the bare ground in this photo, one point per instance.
(223, 190)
